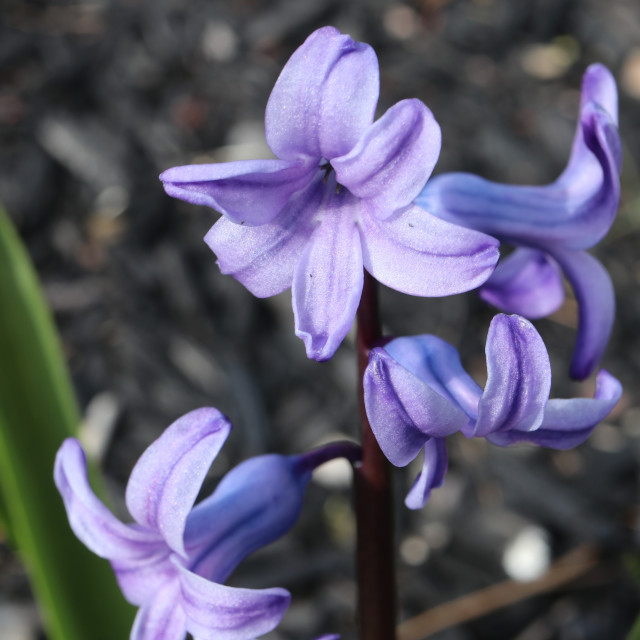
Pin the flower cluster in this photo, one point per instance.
(347, 194)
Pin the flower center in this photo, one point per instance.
(325, 166)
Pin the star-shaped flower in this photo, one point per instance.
(552, 225)
(417, 393)
(337, 198)
(171, 562)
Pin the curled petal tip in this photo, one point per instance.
(608, 387)
(319, 347)
(519, 377)
(599, 86)
(167, 478)
(434, 469)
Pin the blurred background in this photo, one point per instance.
(97, 97)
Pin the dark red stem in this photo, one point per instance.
(374, 504)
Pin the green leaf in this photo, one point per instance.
(634, 634)
(76, 591)
(632, 565)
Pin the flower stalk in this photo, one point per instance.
(338, 449)
(373, 497)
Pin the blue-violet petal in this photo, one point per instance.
(324, 99)
(393, 159)
(518, 378)
(167, 478)
(418, 254)
(528, 282)
(251, 192)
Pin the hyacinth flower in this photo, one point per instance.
(417, 393)
(337, 197)
(552, 225)
(171, 562)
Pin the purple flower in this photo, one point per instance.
(173, 560)
(417, 393)
(337, 198)
(552, 225)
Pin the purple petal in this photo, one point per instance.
(256, 503)
(217, 612)
(90, 520)
(568, 423)
(576, 211)
(264, 258)
(592, 177)
(327, 283)
(162, 618)
(519, 378)
(250, 192)
(416, 253)
(393, 159)
(437, 364)
(434, 469)
(140, 577)
(396, 432)
(599, 87)
(527, 283)
(324, 99)
(596, 308)
(167, 478)
(404, 411)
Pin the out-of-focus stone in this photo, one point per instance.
(630, 76)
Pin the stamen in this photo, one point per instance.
(327, 168)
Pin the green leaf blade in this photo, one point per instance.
(76, 590)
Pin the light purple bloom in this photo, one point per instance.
(552, 225)
(171, 562)
(417, 393)
(337, 198)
